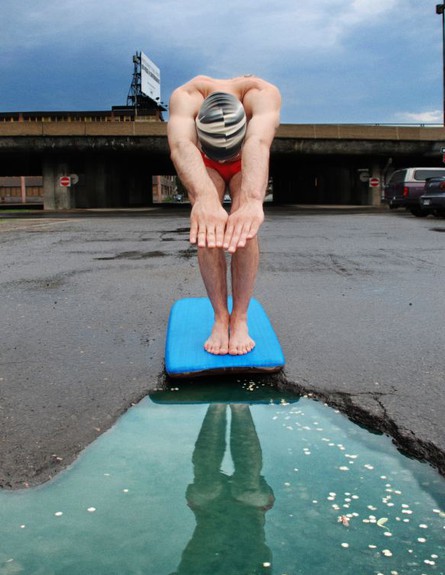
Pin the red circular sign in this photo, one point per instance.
(374, 182)
(65, 181)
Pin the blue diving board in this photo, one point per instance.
(189, 326)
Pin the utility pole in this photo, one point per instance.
(440, 9)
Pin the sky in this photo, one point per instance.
(334, 61)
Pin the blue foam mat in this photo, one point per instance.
(190, 324)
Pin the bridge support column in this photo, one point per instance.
(376, 192)
(55, 196)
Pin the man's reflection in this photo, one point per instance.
(229, 537)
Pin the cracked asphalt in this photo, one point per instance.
(356, 298)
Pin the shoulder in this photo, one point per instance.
(261, 88)
(261, 97)
(195, 86)
(260, 84)
(187, 98)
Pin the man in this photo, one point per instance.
(220, 133)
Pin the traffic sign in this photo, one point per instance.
(65, 181)
(374, 182)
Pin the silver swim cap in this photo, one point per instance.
(221, 126)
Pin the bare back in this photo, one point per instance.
(248, 89)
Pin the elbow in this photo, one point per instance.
(181, 146)
(183, 153)
(258, 143)
(177, 150)
(173, 153)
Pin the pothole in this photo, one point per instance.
(233, 478)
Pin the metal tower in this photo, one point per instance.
(136, 98)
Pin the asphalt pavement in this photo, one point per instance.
(356, 298)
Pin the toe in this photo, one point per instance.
(234, 350)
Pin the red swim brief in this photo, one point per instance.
(226, 170)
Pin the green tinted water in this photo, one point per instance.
(279, 487)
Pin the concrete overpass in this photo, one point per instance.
(116, 157)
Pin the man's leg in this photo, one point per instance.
(212, 264)
(244, 269)
(208, 456)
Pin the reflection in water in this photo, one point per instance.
(229, 511)
(120, 509)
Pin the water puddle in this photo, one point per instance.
(257, 483)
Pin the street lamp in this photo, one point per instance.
(440, 9)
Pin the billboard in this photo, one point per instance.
(150, 78)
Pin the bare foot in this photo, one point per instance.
(240, 342)
(218, 342)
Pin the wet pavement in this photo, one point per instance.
(355, 298)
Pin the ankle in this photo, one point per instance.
(237, 318)
(222, 318)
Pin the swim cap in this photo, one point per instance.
(221, 126)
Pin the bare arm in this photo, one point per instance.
(264, 107)
(208, 218)
(182, 140)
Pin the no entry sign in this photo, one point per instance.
(65, 181)
(374, 182)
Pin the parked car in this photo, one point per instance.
(405, 187)
(432, 201)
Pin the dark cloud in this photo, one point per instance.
(334, 60)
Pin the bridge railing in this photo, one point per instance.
(115, 115)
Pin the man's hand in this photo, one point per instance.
(243, 224)
(208, 223)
